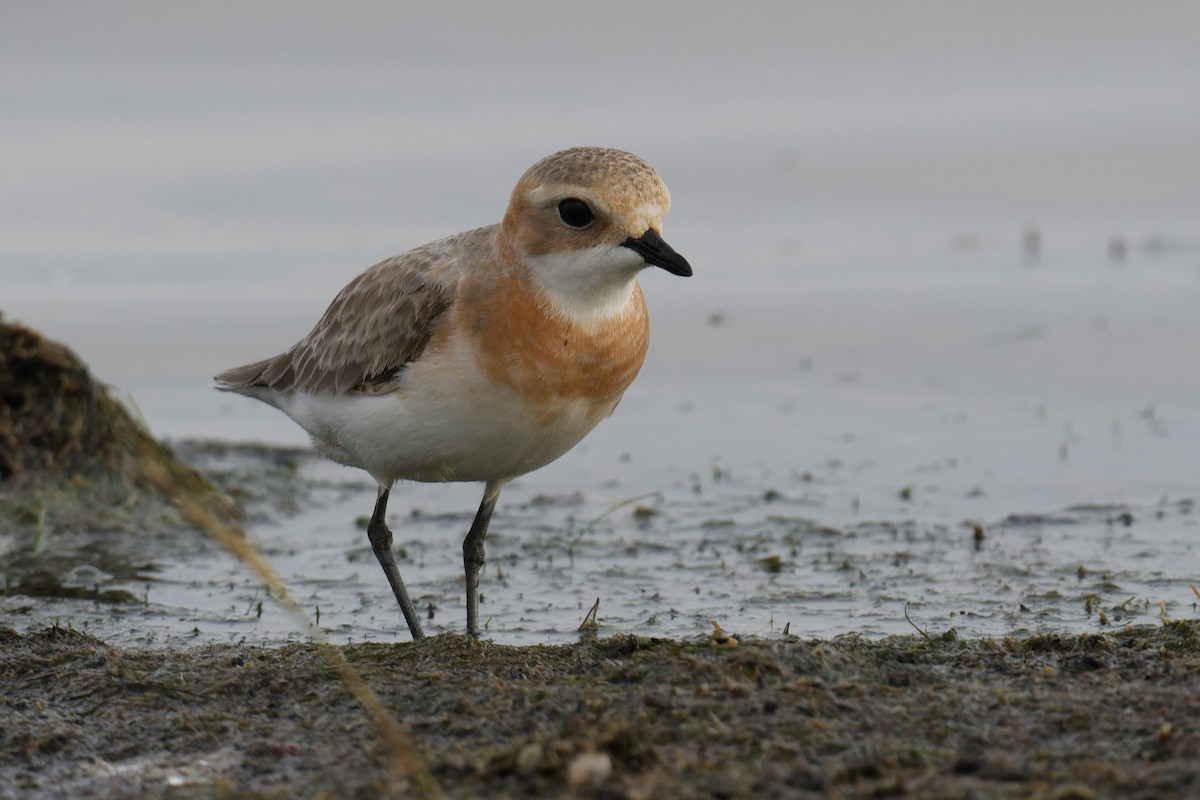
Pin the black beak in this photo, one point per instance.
(651, 247)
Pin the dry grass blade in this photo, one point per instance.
(910, 622)
(591, 524)
(194, 503)
(589, 623)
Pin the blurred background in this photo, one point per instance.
(947, 255)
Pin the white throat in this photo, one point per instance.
(588, 285)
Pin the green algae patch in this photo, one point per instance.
(1104, 715)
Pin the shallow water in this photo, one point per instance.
(761, 554)
(997, 454)
(875, 358)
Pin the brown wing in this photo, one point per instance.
(381, 321)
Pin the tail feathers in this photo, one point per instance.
(247, 381)
(241, 377)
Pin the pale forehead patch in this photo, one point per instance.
(625, 181)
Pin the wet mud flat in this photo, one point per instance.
(1105, 715)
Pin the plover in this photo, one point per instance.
(485, 355)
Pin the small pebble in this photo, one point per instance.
(529, 758)
(589, 769)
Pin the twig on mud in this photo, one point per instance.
(589, 623)
(250, 607)
(587, 528)
(721, 638)
(1124, 606)
(928, 638)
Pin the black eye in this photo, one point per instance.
(575, 213)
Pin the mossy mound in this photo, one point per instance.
(73, 461)
(58, 423)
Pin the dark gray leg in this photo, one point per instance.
(473, 552)
(381, 543)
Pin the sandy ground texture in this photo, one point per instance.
(1110, 715)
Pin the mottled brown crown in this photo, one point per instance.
(619, 174)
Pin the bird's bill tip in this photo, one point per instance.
(653, 250)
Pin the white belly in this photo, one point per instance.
(446, 423)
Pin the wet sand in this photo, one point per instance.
(1111, 715)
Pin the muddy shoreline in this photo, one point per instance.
(1111, 715)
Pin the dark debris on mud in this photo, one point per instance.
(1112, 715)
